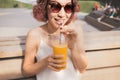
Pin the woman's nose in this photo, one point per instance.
(61, 12)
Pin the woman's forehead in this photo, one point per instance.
(62, 1)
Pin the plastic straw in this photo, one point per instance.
(60, 39)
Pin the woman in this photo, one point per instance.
(55, 13)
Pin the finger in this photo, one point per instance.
(58, 61)
(68, 31)
(71, 31)
(57, 65)
(53, 68)
(57, 56)
(50, 59)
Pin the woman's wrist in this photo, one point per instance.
(73, 46)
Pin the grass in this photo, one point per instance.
(86, 6)
(12, 3)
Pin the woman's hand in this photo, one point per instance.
(71, 36)
(55, 62)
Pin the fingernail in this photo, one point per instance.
(60, 28)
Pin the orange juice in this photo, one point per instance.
(60, 49)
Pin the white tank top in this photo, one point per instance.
(68, 74)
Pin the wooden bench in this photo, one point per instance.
(112, 21)
(103, 53)
(106, 24)
(102, 50)
(98, 25)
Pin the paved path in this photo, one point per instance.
(18, 21)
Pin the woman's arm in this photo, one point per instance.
(79, 58)
(78, 52)
(75, 44)
(31, 68)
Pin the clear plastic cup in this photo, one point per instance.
(59, 47)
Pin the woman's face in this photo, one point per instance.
(59, 12)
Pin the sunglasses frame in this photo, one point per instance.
(56, 7)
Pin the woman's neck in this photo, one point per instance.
(52, 30)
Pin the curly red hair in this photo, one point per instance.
(40, 10)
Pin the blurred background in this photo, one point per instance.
(102, 37)
(83, 8)
(16, 15)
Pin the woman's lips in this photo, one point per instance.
(59, 21)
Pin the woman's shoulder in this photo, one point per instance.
(34, 32)
(33, 36)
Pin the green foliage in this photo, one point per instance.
(13, 3)
(86, 6)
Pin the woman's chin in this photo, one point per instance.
(56, 25)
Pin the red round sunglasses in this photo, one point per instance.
(56, 7)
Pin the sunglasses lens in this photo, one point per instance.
(68, 8)
(55, 7)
